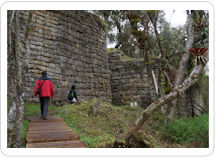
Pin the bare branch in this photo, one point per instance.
(28, 20)
(168, 79)
(155, 82)
(153, 18)
(12, 16)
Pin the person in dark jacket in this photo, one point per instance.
(72, 96)
(47, 91)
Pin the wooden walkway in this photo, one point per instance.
(51, 133)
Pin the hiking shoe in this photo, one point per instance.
(44, 118)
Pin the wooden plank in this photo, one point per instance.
(59, 144)
(51, 136)
(51, 133)
(47, 126)
(39, 119)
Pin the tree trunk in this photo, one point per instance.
(192, 79)
(15, 114)
(183, 63)
(17, 60)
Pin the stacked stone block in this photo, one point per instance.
(130, 81)
(70, 46)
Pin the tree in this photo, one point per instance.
(127, 34)
(197, 36)
(183, 62)
(179, 87)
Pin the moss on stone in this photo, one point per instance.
(126, 58)
(104, 24)
(111, 50)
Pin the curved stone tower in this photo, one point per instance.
(70, 46)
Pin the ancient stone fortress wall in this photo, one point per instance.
(70, 46)
(132, 81)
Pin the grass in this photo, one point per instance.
(34, 109)
(187, 131)
(123, 56)
(23, 133)
(31, 110)
(126, 58)
(109, 124)
(111, 50)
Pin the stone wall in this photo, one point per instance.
(70, 46)
(132, 81)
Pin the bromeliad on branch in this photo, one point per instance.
(199, 55)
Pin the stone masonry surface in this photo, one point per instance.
(131, 81)
(70, 46)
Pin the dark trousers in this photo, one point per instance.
(44, 106)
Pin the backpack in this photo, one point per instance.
(70, 96)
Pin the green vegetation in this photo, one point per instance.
(126, 58)
(123, 56)
(23, 133)
(190, 130)
(167, 90)
(110, 122)
(34, 109)
(111, 50)
(31, 110)
(105, 24)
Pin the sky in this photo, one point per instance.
(178, 18)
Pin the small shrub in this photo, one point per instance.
(188, 130)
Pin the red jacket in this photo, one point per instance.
(47, 89)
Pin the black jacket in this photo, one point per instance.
(74, 93)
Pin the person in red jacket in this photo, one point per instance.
(46, 92)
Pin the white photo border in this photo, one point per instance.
(107, 5)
